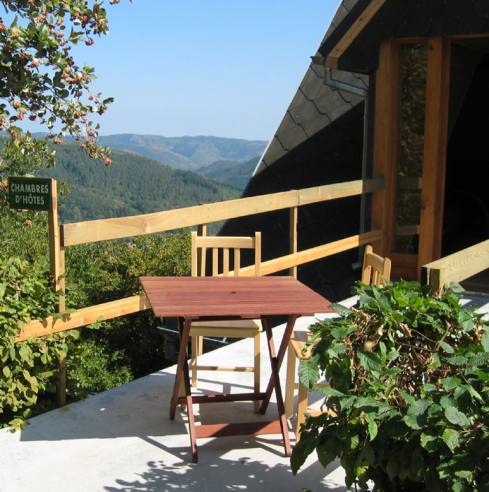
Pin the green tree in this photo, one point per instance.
(41, 81)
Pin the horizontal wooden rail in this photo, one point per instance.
(129, 305)
(83, 317)
(456, 267)
(312, 254)
(121, 227)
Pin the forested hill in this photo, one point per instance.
(132, 185)
(189, 153)
(232, 173)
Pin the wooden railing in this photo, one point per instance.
(456, 267)
(116, 228)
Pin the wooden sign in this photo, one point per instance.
(30, 193)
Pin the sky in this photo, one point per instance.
(204, 67)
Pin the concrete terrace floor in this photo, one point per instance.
(123, 440)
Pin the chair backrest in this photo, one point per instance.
(225, 249)
(376, 269)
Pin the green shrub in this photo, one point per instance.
(409, 384)
(92, 368)
(103, 272)
(98, 357)
(27, 368)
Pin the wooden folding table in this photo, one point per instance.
(215, 298)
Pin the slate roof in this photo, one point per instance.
(315, 105)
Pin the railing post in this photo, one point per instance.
(201, 231)
(57, 270)
(293, 219)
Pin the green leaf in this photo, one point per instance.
(302, 450)
(435, 361)
(366, 457)
(341, 310)
(429, 442)
(25, 353)
(456, 417)
(328, 449)
(309, 371)
(369, 361)
(328, 390)
(447, 348)
(6, 371)
(484, 341)
(451, 438)
(372, 429)
(412, 421)
(479, 359)
(419, 407)
(451, 383)
(428, 388)
(458, 360)
(339, 332)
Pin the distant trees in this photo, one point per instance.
(41, 81)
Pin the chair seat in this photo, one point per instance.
(299, 347)
(233, 328)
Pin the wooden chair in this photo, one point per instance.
(376, 270)
(230, 249)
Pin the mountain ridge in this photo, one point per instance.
(133, 185)
(187, 152)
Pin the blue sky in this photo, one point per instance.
(205, 67)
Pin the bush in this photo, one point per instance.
(26, 369)
(110, 270)
(409, 391)
(92, 368)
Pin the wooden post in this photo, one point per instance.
(435, 150)
(201, 231)
(293, 236)
(385, 143)
(57, 269)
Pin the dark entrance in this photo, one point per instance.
(466, 215)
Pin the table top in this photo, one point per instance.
(242, 297)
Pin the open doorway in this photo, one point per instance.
(466, 214)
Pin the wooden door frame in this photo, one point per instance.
(434, 160)
(435, 150)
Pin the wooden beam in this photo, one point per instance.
(83, 317)
(312, 254)
(57, 270)
(355, 29)
(435, 150)
(225, 242)
(457, 267)
(116, 228)
(293, 217)
(385, 143)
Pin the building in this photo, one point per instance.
(397, 89)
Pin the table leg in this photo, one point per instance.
(275, 384)
(280, 357)
(290, 383)
(190, 412)
(182, 357)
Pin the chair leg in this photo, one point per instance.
(290, 383)
(256, 368)
(193, 360)
(301, 410)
